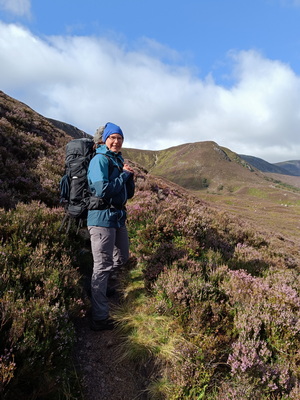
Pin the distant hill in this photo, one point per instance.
(285, 168)
(198, 166)
(69, 129)
(292, 166)
(32, 153)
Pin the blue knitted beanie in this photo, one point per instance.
(110, 129)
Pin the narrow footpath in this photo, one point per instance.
(103, 373)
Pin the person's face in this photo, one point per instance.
(114, 142)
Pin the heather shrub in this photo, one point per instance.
(199, 306)
(164, 255)
(31, 157)
(267, 323)
(40, 295)
(230, 289)
(249, 258)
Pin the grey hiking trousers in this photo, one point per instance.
(110, 248)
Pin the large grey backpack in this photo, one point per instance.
(74, 189)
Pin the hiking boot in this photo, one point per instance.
(102, 325)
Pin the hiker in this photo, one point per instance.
(111, 184)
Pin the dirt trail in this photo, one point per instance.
(103, 375)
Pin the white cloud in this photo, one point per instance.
(87, 81)
(16, 7)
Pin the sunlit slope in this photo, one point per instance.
(201, 165)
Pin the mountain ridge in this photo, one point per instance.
(291, 167)
(32, 153)
(197, 165)
(70, 130)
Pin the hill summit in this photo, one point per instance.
(198, 166)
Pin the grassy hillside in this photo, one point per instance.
(211, 298)
(201, 165)
(292, 181)
(146, 158)
(221, 177)
(218, 348)
(32, 162)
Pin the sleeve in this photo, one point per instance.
(130, 186)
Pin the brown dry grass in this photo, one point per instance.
(275, 210)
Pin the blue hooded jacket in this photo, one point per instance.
(108, 181)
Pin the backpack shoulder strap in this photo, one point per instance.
(111, 164)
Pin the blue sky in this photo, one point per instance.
(168, 72)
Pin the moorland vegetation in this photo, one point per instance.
(211, 296)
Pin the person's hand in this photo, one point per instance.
(127, 167)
